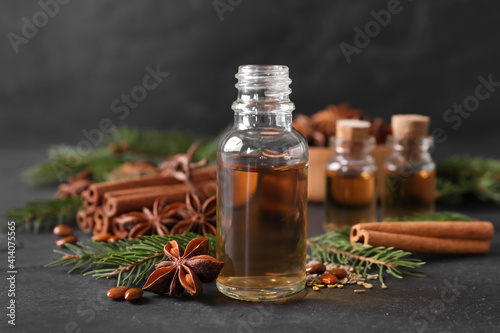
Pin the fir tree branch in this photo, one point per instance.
(434, 216)
(44, 213)
(459, 176)
(121, 145)
(335, 246)
(130, 261)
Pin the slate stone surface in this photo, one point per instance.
(70, 72)
(459, 294)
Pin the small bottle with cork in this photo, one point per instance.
(350, 177)
(409, 172)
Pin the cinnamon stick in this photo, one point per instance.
(119, 229)
(113, 206)
(85, 220)
(96, 191)
(476, 230)
(101, 222)
(420, 244)
(138, 190)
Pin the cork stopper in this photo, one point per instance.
(353, 129)
(409, 126)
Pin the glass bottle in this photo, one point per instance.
(409, 172)
(262, 191)
(351, 195)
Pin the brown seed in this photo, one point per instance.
(101, 237)
(327, 278)
(62, 230)
(117, 292)
(338, 272)
(113, 239)
(66, 240)
(316, 269)
(133, 294)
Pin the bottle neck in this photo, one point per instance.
(414, 149)
(353, 150)
(265, 120)
(263, 97)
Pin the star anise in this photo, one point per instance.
(156, 222)
(198, 217)
(325, 121)
(75, 186)
(185, 270)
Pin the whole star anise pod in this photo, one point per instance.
(185, 270)
(325, 121)
(156, 222)
(198, 217)
(75, 186)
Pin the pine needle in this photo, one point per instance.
(44, 214)
(335, 247)
(459, 176)
(129, 261)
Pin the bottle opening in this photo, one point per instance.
(273, 80)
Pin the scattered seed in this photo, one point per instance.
(117, 292)
(384, 286)
(315, 288)
(368, 285)
(357, 291)
(316, 269)
(340, 286)
(66, 240)
(320, 285)
(360, 283)
(331, 286)
(62, 230)
(133, 294)
(101, 237)
(328, 278)
(372, 276)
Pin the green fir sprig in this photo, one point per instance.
(44, 214)
(130, 145)
(334, 246)
(459, 176)
(129, 261)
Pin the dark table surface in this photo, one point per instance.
(459, 294)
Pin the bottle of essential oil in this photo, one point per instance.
(409, 172)
(350, 177)
(262, 191)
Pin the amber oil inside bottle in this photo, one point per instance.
(408, 194)
(263, 237)
(350, 199)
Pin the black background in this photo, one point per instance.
(65, 78)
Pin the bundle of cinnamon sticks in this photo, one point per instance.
(426, 237)
(105, 201)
